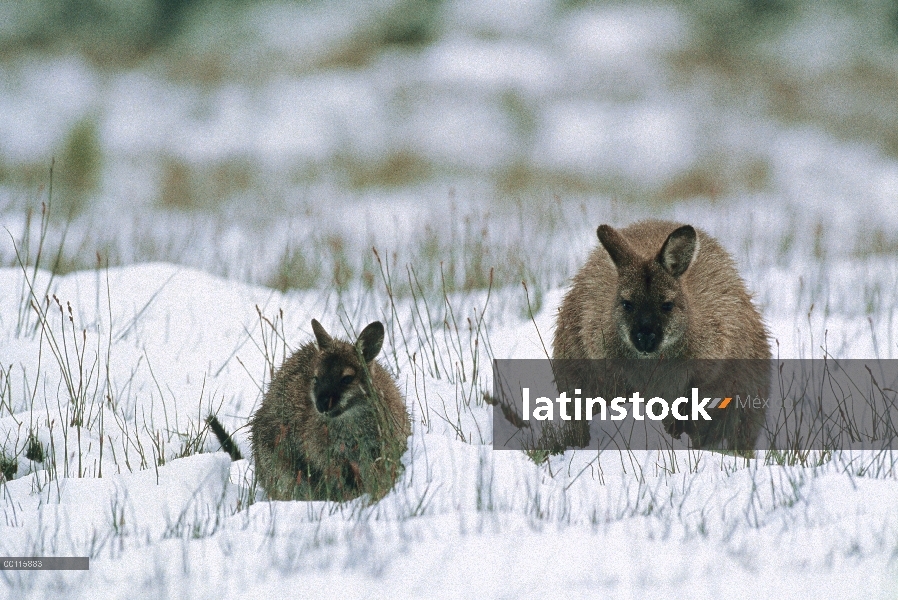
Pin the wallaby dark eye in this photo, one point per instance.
(628, 306)
(347, 380)
(667, 306)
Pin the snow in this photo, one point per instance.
(42, 99)
(618, 34)
(588, 92)
(308, 104)
(644, 141)
(463, 520)
(491, 66)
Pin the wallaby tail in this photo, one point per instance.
(224, 438)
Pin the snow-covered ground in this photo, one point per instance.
(142, 489)
(237, 182)
(289, 122)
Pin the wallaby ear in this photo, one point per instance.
(618, 248)
(321, 336)
(679, 250)
(370, 340)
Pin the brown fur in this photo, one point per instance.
(658, 289)
(320, 436)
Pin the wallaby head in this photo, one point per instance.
(651, 309)
(338, 379)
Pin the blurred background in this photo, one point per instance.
(277, 141)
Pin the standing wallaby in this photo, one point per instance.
(333, 424)
(662, 290)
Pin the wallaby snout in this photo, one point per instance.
(645, 337)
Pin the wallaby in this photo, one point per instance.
(662, 290)
(333, 425)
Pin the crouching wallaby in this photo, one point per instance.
(661, 290)
(333, 424)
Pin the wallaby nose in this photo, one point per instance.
(325, 402)
(645, 340)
